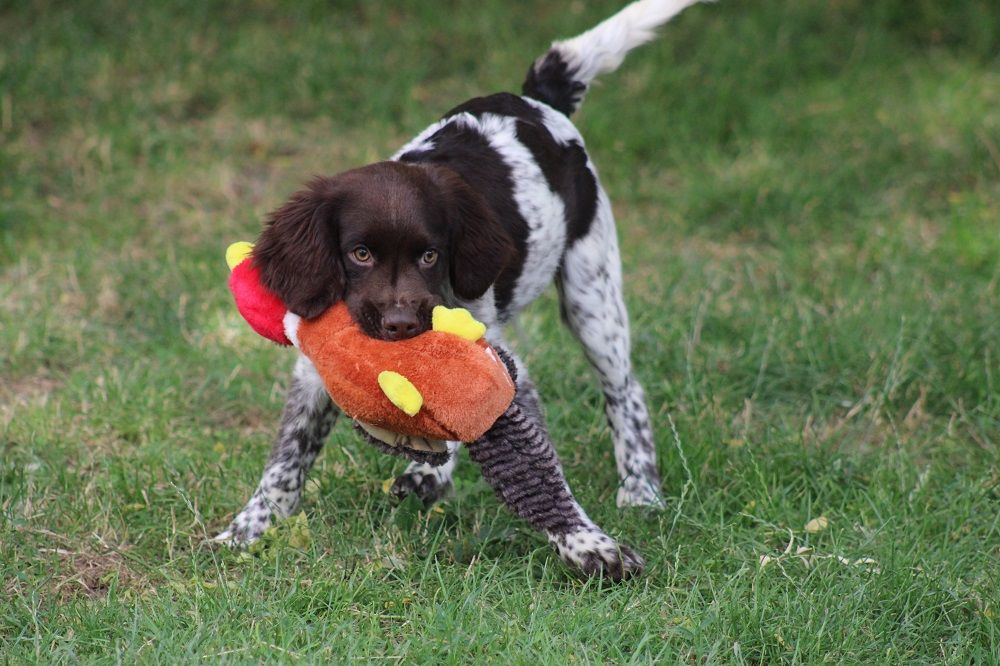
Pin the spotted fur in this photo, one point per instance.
(306, 421)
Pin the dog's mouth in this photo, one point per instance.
(369, 318)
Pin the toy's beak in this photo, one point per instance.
(401, 392)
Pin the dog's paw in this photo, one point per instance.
(231, 538)
(248, 526)
(240, 536)
(618, 564)
(428, 483)
(636, 491)
(597, 555)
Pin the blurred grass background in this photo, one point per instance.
(808, 196)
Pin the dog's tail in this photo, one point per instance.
(560, 77)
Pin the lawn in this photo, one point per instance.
(808, 196)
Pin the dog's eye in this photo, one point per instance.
(429, 257)
(361, 254)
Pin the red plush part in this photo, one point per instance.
(262, 309)
(465, 386)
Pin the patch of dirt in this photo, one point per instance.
(92, 574)
(27, 391)
(72, 570)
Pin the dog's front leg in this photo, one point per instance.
(519, 461)
(306, 421)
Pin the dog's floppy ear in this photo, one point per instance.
(480, 246)
(298, 251)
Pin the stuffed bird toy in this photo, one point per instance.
(414, 394)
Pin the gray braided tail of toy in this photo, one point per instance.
(520, 463)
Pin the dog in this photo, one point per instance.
(483, 209)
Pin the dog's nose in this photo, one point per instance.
(400, 324)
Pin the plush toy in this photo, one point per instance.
(444, 384)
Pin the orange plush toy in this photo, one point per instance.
(444, 384)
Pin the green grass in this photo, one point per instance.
(809, 203)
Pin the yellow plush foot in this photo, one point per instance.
(401, 392)
(457, 321)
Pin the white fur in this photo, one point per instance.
(313, 390)
(290, 323)
(540, 207)
(559, 126)
(422, 140)
(603, 48)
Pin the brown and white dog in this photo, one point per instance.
(484, 209)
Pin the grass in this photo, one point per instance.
(809, 203)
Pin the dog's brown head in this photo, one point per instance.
(391, 239)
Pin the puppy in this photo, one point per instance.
(483, 210)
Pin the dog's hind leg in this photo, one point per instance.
(593, 306)
(306, 421)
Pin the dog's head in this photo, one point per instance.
(392, 240)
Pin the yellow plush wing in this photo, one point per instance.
(401, 392)
(457, 321)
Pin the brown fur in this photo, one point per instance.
(398, 212)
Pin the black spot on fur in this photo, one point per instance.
(549, 80)
(565, 167)
(500, 104)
